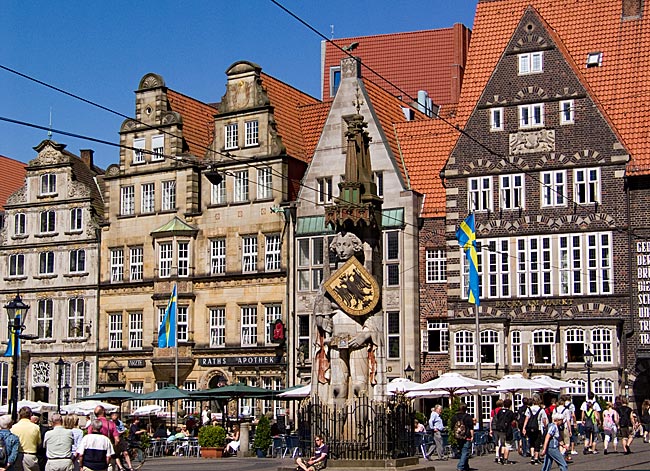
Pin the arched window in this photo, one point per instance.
(604, 389)
(464, 345)
(542, 350)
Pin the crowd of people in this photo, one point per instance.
(545, 434)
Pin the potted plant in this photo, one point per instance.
(212, 440)
(263, 438)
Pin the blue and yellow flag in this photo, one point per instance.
(167, 331)
(466, 235)
(14, 339)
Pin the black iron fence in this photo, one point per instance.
(361, 430)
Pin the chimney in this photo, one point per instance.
(87, 157)
(632, 8)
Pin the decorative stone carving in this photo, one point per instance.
(78, 190)
(532, 142)
(112, 170)
(171, 117)
(19, 196)
(40, 374)
(151, 81)
(49, 156)
(350, 67)
(129, 125)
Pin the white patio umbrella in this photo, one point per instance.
(437, 393)
(301, 391)
(38, 407)
(401, 385)
(513, 383)
(451, 383)
(87, 407)
(552, 383)
(147, 410)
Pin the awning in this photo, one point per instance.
(312, 225)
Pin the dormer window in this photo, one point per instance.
(335, 79)
(594, 59)
(252, 133)
(138, 150)
(158, 147)
(48, 184)
(231, 136)
(531, 63)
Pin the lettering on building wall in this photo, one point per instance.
(238, 361)
(534, 302)
(137, 363)
(643, 290)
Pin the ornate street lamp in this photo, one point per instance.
(16, 314)
(589, 363)
(408, 372)
(60, 364)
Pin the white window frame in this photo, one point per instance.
(272, 312)
(46, 265)
(567, 112)
(464, 348)
(577, 337)
(311, 259)
(20, 224)
(393, 335)
(531, 115)
(240, 194)
(115, 331)
(248, 326)
(139, 145)
(165, 259)
(496, 119)
(135, 330)
(586, 185)
(217, 327)
(251, 133)
(378, 177)
(324, 189)
(127, 200)
(553, 188)
(183, 258)
(77, 261)
(48, 184)
(303, 327)
(604, 389)
(513, 191)
(264, 183)
(542, 338)
(599, 263)
(249, 253)
(48, 222)
(534, 266)
(334, 70)
(76, 219)
(602, 345)
(136, 263)
(45, 319)
(393, 246)
(157, 147)
(530, 63)
(76, 317)
(272, 252)
(136, 387)
(148, 198)
(494, 268)
(516, 356)
(16, 265)
(231, 136)
(436, 266)
(182, 323)
(218, 192)
(168, 190)
(82, 379)
(117, 264)
(441, 331)
(218, 256)
(489, 341)
(479, 194)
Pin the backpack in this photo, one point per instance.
(460, 431)
(590, 423)
(608, 420)
(533, 422)
(500, 421)
(3, 452)
(521, 416)
(624, 416)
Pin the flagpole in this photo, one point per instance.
(176, 352)
(479, 409)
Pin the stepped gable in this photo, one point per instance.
(583, 27)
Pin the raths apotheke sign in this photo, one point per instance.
(643, 290)
(239, 361)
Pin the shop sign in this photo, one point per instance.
(239, 361)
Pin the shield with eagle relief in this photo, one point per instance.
(353, 288)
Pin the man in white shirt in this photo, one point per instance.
(436, 426)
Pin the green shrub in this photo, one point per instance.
(212, 436)
(447, 414)
(263, 438)
(420, 417)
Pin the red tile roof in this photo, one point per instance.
(426, 145)
(312, 120)
(198, 121)
(12, 177)
(286, 101)
(430, 60)
(582, 26)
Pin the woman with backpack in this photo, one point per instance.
(534, 427)
(590, 421)
(626, 423)
(610, 426)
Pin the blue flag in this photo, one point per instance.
(466, 235)
(14, 340)
(167, 331)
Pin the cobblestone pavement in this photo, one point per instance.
(638, 460)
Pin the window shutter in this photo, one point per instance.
(554, 354)
(531, 355)
(424, 340)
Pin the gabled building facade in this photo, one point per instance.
(548, 198)
(49, 253)
(313, 262)
(195, 211)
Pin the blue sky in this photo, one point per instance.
(100, 50)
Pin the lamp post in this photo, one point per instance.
(16, 314)
(408, 372)
(60, 364)
(589, 362)
(66, 394)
